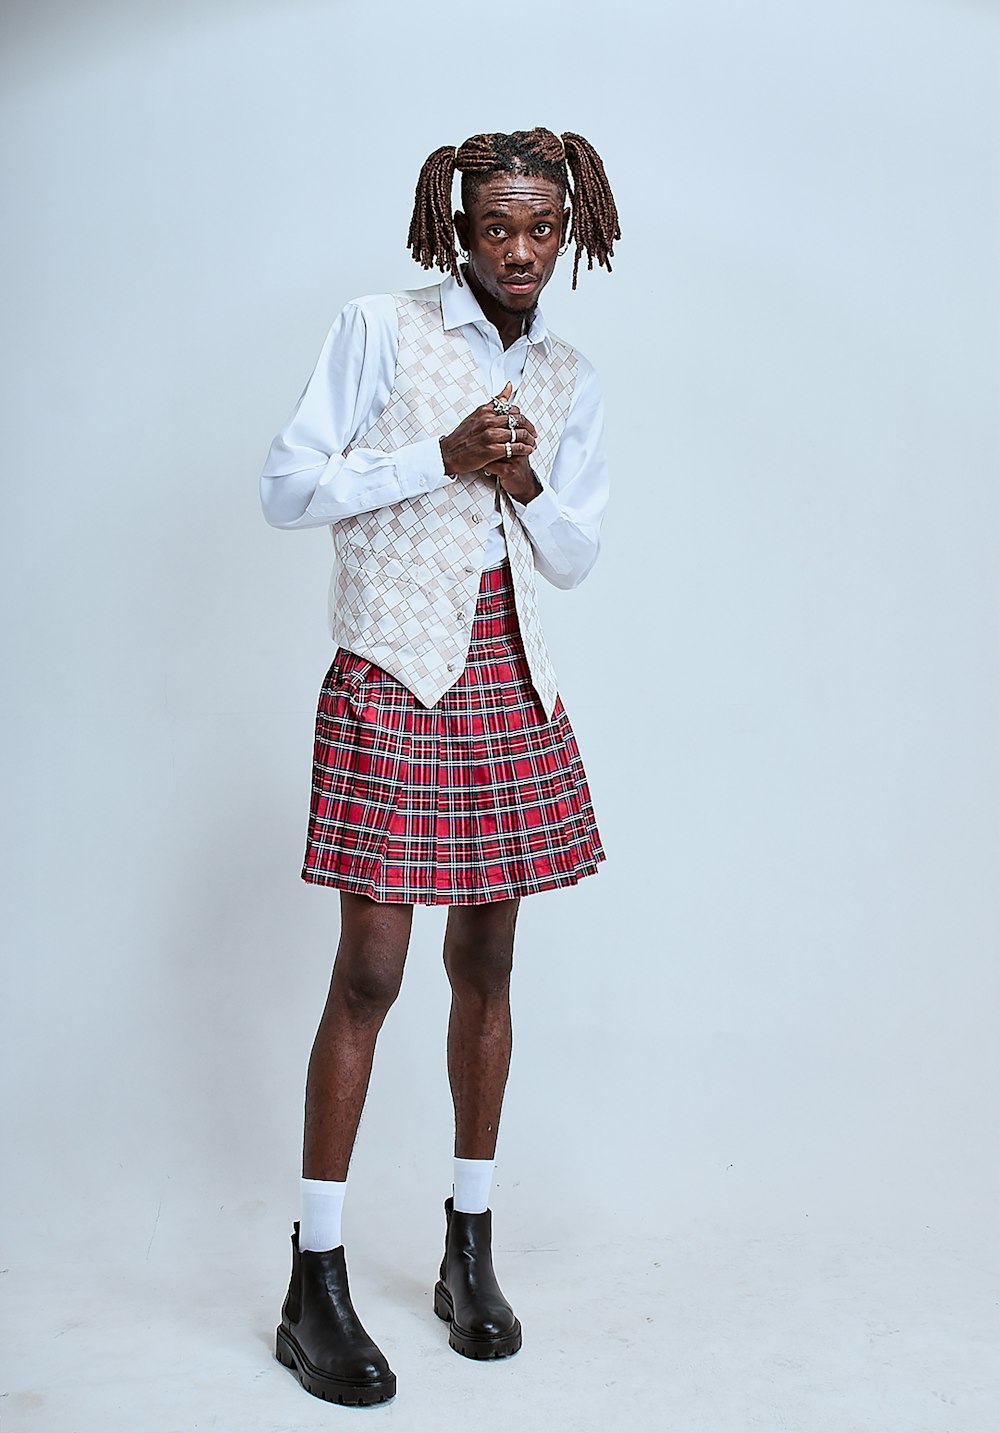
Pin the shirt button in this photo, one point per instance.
(476, 517)
(451, 666)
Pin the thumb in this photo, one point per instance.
(507, 390)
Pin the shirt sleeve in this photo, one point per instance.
(307, 481)
(563, 521)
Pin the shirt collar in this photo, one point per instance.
(459, 306)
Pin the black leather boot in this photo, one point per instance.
(320, 1337)
(467, 1294)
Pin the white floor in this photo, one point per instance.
(824, 1331)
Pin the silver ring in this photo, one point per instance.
(507, 446)
(501, 405)
(512, 422)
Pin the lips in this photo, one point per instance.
(521, 285)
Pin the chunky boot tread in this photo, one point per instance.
(322, 1385)
(471, 1345)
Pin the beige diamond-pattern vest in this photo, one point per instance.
(406, 576)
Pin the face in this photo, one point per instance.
(512, 232)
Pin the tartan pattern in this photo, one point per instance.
(479, 798)
(405, 580)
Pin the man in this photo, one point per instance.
(445, 769)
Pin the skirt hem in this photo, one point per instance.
(454, 898)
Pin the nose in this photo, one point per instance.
(519, 251)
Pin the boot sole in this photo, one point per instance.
(321, 1385)
(471, 1345)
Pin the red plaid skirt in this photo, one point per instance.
(476, 799)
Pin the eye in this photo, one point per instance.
(495, 231)
(543, 229)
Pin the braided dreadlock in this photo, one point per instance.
(570, 162)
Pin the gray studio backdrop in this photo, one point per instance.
(776, 1002)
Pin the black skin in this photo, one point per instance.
(513, 233)
(367, 974)
(525, 219)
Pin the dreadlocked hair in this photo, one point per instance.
(568, 161)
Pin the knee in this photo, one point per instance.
(367, 990)
(369, 968)
(479, 967)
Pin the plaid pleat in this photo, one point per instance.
(475, 799)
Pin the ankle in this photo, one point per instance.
(322, 1210)
(473, 1181)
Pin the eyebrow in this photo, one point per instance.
(505, 213)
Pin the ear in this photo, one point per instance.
(461, 229)
(567, 215)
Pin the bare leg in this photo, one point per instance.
(367, 974)
(478, 956)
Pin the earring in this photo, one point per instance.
(564, 247)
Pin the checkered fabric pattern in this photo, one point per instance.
(406, 575)
(478, 798)
(544, 395)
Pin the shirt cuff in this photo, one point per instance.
(540, 513)
(420, 467)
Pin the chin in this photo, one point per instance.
(511, 304)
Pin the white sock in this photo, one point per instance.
(322, 1205)
(473, 1181)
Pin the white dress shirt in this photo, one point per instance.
(307, 482)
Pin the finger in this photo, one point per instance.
(519, 419)
(517, 450)
(506, 391)
(502, 420)
(504, 434)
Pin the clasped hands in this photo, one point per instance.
(480, 442)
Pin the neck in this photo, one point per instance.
(509, 326)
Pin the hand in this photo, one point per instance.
(516, 478)
(480, 442)
(515, 473)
